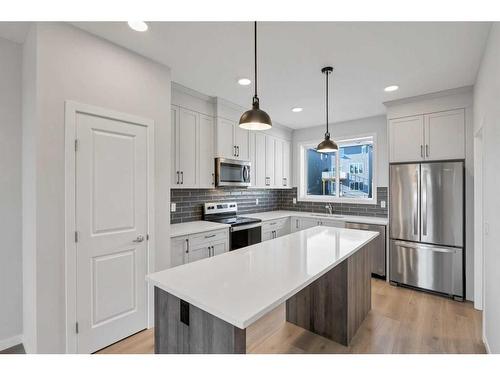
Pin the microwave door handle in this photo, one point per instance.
(246, 177)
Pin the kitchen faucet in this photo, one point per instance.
(329, 208)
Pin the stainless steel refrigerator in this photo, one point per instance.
(427, 226)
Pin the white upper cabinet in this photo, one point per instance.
(192, 149)
(232, 141)
(287, 162)
(270, 162)
(187, 134)
(278, 162)
(207, 151)
(433, 136)
(259, 165)
(445, 135)
(225, 144)
(406, 139)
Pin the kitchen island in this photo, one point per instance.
(322, 273)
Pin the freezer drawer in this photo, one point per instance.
(378, 246)
(435, 268)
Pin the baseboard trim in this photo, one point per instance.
(10, 342)
(486, 345)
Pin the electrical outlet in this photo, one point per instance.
(294, 200)
(382, 204)
(256, 201)
(173, 207)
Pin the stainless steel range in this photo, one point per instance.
(244, 231)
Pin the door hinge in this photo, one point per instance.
(76, 236)
(76, 145)
(76, 328)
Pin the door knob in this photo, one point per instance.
(139, 238)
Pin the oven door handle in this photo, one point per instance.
(244, 227)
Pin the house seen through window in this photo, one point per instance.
(346, 173)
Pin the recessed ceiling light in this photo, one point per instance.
(391, 88)
(297, 109)
(244, 81)
(138, 25)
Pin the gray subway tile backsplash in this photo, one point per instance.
(189, 202)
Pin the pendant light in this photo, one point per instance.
(327, 145)
(255, 118)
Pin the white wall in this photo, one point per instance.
(10, 194)
(370, 125)
(487, 116)
(71, 64)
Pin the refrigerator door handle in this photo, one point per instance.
(415, 207)
(420, 246)
(424, 203)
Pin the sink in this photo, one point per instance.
(330, 216)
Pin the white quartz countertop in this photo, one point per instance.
(192, 227)
(274, 215)
(241, 286)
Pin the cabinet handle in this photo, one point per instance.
(426, 150)
(234, 151)
(297, 223)
(238, 148)
(210, 236)
(177, 177)
(187, 245)
(182, 177)
(421, 151)
(213, 178)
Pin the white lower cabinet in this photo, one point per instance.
(275, 228)
(301, 223)
(187, 249)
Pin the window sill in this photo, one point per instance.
(327, 199)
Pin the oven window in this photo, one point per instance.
(231, 173)
(245, 237)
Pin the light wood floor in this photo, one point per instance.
(401, 321)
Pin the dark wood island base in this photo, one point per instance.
(333, 306)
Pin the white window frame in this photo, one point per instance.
(341, 141)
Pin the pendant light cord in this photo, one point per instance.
(327, 131)
(255, 59)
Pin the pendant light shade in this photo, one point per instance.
(255, 118)
(327, 145)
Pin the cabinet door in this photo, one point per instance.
(174, 146)
(225, 144)
(278, 163)
(308, 223)
(260, 160)
(188, 141)
(283, 228)
(197, 253)
(178, 247)
(241, 139)
(286, 163)
(251, 151)
(267, 235)
(269, 160)
(207, 151)
(220, 248)
(445, 135)
(406, 139)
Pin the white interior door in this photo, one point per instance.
(111, 218)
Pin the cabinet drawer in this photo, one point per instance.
(273, 225)
(206, 237)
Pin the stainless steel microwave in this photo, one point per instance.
(231, 172)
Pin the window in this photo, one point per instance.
(344, 175)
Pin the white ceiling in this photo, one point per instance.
(420, 57)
